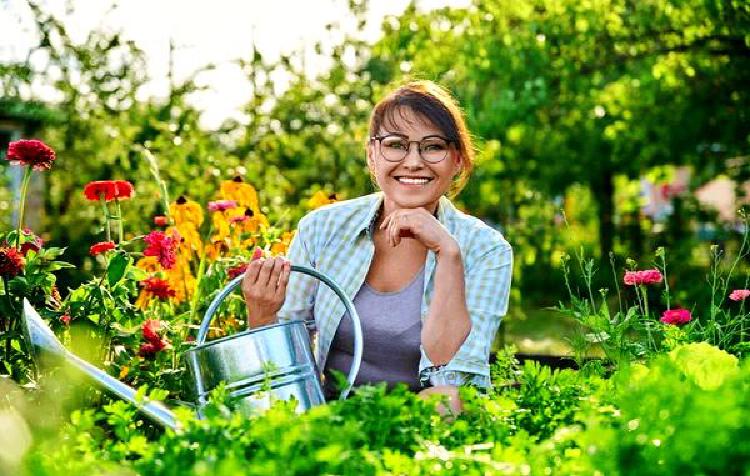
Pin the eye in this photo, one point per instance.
(394, 143)
(432, 145)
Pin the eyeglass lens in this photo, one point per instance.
(396, 148)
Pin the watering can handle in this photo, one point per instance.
(348, 304)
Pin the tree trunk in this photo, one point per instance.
(603, 189)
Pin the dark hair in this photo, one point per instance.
(434, 103)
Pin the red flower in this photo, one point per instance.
(124, 190)
(162, 246)
(65, 319)
(221, 205)
(154, 341)
(97, 189)
(35, 243)
(739, 294)
(238, 218)
(676, 317)
(34, 153)
(235, 271)
(649, 276)
(161, 220)
(101, 247)
(151, 329)
(159, 287)
(11, 261)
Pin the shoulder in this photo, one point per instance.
(477, 239)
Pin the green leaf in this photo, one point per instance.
(116, 268)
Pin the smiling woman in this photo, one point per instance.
(429, 282)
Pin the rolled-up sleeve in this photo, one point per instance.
(487, 282)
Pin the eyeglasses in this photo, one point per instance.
(395, 147)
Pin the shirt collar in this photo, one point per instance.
(445, 212)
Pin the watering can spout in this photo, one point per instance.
(41, 338)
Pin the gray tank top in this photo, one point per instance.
(391, 330)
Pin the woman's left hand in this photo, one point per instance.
(419, 224)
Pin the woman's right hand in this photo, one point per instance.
(264, 289)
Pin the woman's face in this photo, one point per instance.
(413, 182)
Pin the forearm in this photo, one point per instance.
(447, 323)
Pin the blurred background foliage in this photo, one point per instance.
(571, 103)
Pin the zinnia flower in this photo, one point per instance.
(739, 294)
(676, 317)
(101, 247)
(238, 218)
(124, 190)
(34, 153)
(221, 205)
(158, 287)
(65, 319)
(163, 246)
(154, 341)
(649, 276)
(109, 190)
(98, 189)
(11, 261)
(161, 220)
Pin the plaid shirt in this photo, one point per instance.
(337, 240)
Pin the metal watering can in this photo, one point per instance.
(277, 358)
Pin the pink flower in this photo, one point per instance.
(163, 246)
(739, 294)
(65, 319)
(648, 276)
(676, 317)
(221, 205)
(238, 219)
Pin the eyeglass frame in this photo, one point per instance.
(380, 138)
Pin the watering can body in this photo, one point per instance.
(256, 366)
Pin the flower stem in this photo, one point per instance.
(106, 217)
(199, 277)
(22, 206)
(119, 221)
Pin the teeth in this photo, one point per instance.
(420, 181)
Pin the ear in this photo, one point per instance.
(458, 163)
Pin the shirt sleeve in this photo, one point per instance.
(487, 284)
(301, 289)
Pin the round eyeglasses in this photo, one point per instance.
(395, 147)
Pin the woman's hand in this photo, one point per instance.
(264, 289)
(454, 408)
(421, 225)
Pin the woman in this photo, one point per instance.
(430, 283)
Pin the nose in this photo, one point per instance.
(413, 159)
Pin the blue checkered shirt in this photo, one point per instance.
(337, 240)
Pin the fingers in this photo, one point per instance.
(283, 279)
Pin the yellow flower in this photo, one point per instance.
(242, 193)
(321, 198)
(124, 371)
(255, 222)
(185, 211)
(282, 246)
(150, 264)
(181, 279)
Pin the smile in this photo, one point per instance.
(414, 180)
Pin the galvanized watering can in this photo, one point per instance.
(257, 365)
